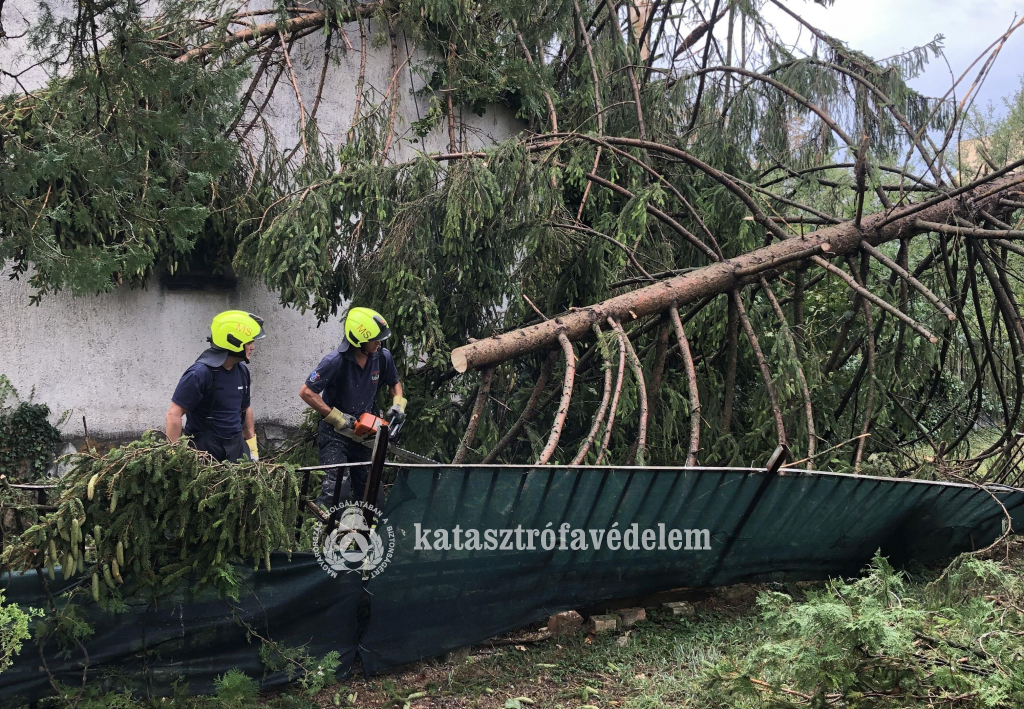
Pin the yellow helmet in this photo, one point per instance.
(363, 325)
(232, 330)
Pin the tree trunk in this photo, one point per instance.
(727, 275)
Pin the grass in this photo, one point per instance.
(717, 657)
(654, 664)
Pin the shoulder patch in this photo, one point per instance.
(314, 377)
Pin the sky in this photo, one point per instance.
(881, 28)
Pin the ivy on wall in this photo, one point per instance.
(28, 441)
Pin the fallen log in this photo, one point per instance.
(733, 273)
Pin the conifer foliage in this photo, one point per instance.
(152, 515)
(661, 140)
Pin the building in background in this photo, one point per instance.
(118, 356)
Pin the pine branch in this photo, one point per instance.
(271, 30)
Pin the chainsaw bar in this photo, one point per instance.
(402, 454)
(410, 457)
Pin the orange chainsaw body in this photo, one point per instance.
(367, 424)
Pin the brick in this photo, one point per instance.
(631, 616)
(604, 623)
(681, 608)
(565, 622)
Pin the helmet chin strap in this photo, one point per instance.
(237, 355)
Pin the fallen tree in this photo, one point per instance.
(728, 275)
(870, 317)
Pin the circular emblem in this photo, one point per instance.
(354, 545)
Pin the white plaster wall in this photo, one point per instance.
(116, 358)
(334, 116)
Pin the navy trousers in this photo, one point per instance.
(223, 449)
(335, 448)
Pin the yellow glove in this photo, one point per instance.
(253, 453)
(341, 421)
(396, 414)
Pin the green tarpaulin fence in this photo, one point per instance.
(431, 599)
(795, 526)
(192, 639)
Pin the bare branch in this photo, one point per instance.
(597, 102)
(732, 339)
(615, 402)
(563, 407)
(691, 386)
(762, 363)
(606, 394)
(974, 232)
(361, 81)
(260, 33)
(908, 278)
(474, 419)
(552, 115)
(868, 295)
(641, 387)
(529, 412)
(805, 390)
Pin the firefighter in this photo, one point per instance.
(342, 387)
(213, 394)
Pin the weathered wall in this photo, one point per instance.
(116, 358)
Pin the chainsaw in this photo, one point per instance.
(367, 425)
(365, 431)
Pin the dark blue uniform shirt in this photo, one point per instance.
(215, 399)
(344, 385)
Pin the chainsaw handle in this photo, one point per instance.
(395, 426)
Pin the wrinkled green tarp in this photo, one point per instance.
(193, 639)
(796, 526)
(802, 527)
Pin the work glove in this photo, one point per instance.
(341, 421)
(396, 414)
(254, 455)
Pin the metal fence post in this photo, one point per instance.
(302, 506)
(380, 452)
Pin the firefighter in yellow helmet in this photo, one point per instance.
(342, 387)
(213, 394)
